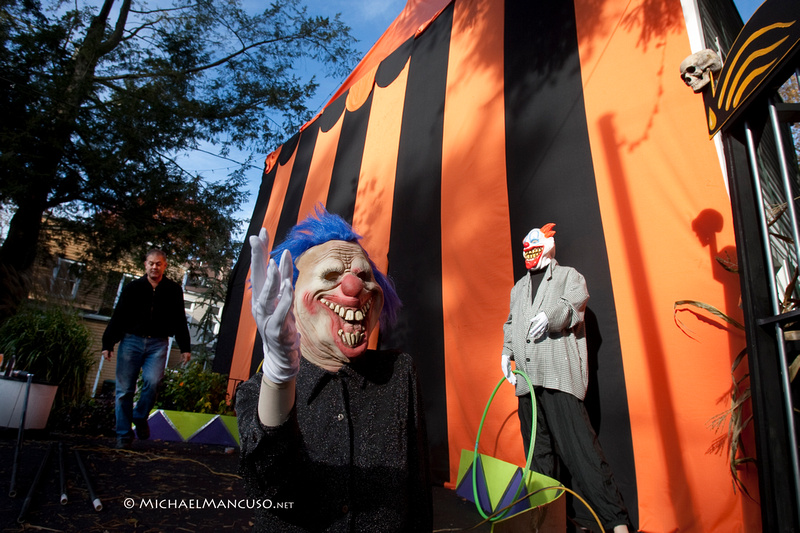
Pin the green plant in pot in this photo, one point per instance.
(53, 344)
(194, 389)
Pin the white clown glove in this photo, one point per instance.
(506, 366)
(272, 300)
(538, 326)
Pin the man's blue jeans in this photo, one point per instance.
(137, 353)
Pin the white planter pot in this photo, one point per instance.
(12, 401)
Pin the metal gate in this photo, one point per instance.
(753, 105)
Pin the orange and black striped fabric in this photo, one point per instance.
(471, 122)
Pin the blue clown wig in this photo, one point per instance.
(325, 227)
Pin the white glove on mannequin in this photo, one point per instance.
(505, 363)
(538, 326)
(272, 299)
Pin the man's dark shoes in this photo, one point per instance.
(142, 428)
(123, 443)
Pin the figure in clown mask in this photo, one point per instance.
(332, 432)
(545, 336)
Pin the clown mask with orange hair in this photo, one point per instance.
(539, 247)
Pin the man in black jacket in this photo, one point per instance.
(149, 311)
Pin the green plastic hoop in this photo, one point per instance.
(526, 470)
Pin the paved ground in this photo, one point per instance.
(130, 484)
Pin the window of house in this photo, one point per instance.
(114, 284)
(66, 278)
(126, 278)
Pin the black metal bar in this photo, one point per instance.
(778, 510)
(783, 318)
(12, 491)
(27, 502)
(788, 190)
(62, 478)
(98, 506)
(788, 112)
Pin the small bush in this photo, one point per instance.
(53, 344)
(194, 390)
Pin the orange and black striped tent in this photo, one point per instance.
(471, 122)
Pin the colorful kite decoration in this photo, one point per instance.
(198, 428)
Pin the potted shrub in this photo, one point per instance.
(53, 344)
(192, 407)
(195, 390)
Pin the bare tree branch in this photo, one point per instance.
(201, 68)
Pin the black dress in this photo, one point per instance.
(351, 457)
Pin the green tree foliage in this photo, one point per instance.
(99, 100)
(195, 390)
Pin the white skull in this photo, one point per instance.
(697, 68)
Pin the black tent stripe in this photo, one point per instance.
(393, 65)
(415, 254)
(226, 341)
(347, 165)
(551, 179)
(290, 208)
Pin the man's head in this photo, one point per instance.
(539, 247)
(339, 293)
(155, 264)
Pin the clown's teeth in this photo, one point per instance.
(349, 314)
(352, 338)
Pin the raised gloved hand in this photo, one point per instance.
(507, 372)
(538, 326)
(272, 300)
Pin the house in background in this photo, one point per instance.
(60, 276)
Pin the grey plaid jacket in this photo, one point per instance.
(557, 360)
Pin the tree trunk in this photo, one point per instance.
(18, 253)
(17, 257)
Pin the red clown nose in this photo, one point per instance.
(352, 285)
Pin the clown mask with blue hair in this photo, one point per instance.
(340, 295)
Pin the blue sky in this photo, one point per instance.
(746, 7)
(368, 19)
